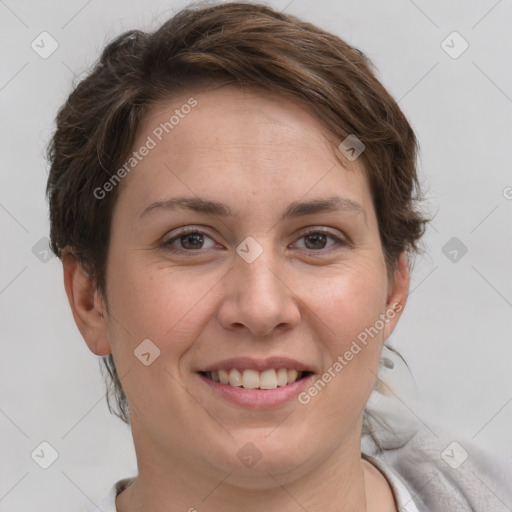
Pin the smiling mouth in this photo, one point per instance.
(254, 379)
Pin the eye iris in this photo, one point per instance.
(192, 240)
(318, 241)
(196, 240)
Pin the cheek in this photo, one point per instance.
(348, 310)
(169, 308)
(160, 303)
(348, 299)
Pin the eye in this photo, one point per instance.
(192, 240)
(195, 240)
(319, 240)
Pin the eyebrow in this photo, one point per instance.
(294, 210)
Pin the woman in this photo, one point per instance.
(233, 198)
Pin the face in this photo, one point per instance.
(245, 251)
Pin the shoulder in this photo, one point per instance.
(440, 471)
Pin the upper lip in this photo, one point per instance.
(250, 363)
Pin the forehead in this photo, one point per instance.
(230, 116)
(227, 138)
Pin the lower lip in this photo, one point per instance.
(258, 398)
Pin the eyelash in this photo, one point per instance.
(338, 241)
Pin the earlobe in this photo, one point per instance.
(397, 294)
(399, 287)
(86, 304)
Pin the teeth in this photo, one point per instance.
(235, 378)
(292, 375)
(282, 377)
(253, 379)
(224, 376)
(268, 379)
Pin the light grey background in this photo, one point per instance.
(455, 332)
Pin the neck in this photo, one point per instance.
(174, 483)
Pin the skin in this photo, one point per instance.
(257, 153)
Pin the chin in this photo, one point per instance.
(253, 459)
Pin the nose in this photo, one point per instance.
(259, 296)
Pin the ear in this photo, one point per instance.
(398, 291)
(86, 304)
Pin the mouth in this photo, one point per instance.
(255, 383)
(269, 379)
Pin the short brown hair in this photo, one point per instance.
(232, 43)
